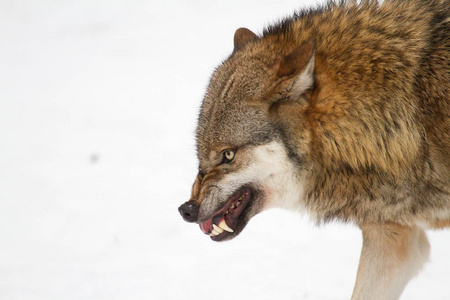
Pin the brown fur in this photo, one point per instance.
(374, 134)
(368, 128)
(371, 151)
(441, 224)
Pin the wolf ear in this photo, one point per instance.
(299, 64)
(242, 37)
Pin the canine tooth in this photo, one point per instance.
(215, 232)
(224, 226)
(242, 197)
(239, 203)
(217, 228)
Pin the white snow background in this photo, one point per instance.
(98, 106)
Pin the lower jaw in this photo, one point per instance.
(221, 237)
(232, 220)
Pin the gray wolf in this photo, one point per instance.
(343, 112)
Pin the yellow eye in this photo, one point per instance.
(228, 156)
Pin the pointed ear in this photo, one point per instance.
(299, 64)
(242, 36)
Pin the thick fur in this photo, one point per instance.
(379, 119)
(343, 111)
(374, 133)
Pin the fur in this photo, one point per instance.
(342, 111)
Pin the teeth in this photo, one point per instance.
(232, 205)
(224, 226)
(217, 228)
(239, 203)
(242, 197)
(215, 232)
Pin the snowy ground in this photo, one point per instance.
(98, 104)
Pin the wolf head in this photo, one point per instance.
(249, 157)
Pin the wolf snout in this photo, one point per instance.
(189, 211)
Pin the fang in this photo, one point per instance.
(217, 228)
(224, 226)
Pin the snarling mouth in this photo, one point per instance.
(224, 222)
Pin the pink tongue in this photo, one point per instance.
(206, 226)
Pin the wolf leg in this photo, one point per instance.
(391, 256)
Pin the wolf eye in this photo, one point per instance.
(228, 156)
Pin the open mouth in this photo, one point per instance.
(224, 222)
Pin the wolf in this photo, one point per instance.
(341, 111)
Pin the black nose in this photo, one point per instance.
(189, 211)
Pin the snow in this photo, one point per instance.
(98, 105)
